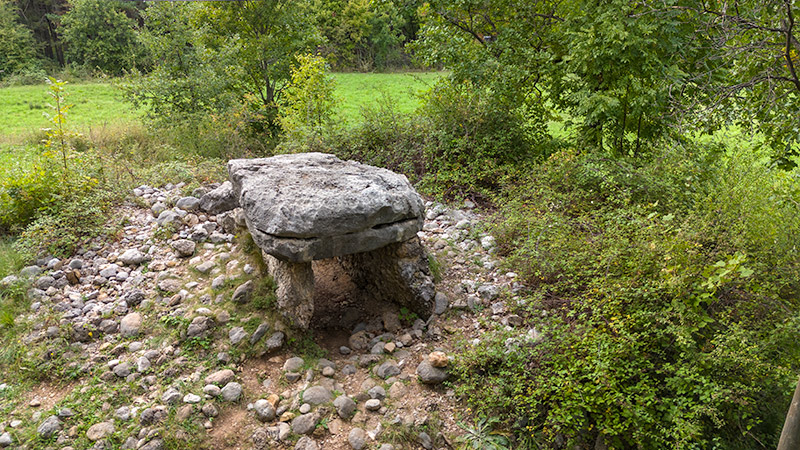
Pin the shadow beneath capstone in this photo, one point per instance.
(339, 303)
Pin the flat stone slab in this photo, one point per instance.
(309, 206)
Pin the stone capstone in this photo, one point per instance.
(309, 206)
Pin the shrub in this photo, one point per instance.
(461, 143)
(309, 102)
(670, 308)
(61, 232)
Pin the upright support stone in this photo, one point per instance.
(397, 273)
(295, 289)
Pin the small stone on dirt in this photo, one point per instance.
(357, 438)
(231, 392)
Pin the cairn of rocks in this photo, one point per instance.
(310, 207)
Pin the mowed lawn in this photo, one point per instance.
(22, 108)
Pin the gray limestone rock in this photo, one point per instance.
(293, 364)
(275, 342)
(100, 430)
(158, 208)
(49, 427)
(133, 298)
(130, 325)
(209, 410)
(295, 289)
(231, 392)
(171, 397)
(184, 247)
(132, 257)
(306, 443)
(429, 374)
(387, 369)
(220, 377)
(30, 272)
(317, 395)
(305, 424)
(168, 217)
(441, 303)
(242, 293)
(122, 370)
(155, 444)
(236, 335)
(259, 333)
(307, 206)
(199, 326)
(377, 392)
(219, 200)
(345, 406)
(357, 438)
(372, 404)
(264, 410)
(44, 282)
(188, 203)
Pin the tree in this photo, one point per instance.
(611, 65)
(17, 46)
(752, 73)
(310, 100)
(268, 34)
(99, 34)
(43, 17)
(187, 77)
(362, 34)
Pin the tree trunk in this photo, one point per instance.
(790, 436)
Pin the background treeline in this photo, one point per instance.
(94, 36)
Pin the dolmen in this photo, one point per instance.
(306, 207)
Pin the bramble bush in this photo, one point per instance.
(665, 293)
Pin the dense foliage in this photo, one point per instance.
(17, 46)
(98, 34)
(664, 300)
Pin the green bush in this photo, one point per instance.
(309, 102)
(668, 287)
(60, 233)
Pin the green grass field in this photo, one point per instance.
(357, 90)
(22, 108)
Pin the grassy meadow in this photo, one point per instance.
(99, 104)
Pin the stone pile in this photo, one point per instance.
(103, 313)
